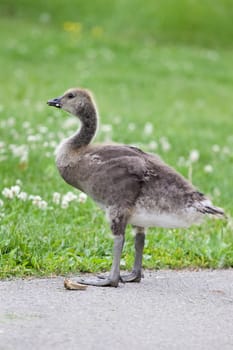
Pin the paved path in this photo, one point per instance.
(168, 310)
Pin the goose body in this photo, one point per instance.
(133, 187)
(116, 175)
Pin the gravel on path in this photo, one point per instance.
(167, 310)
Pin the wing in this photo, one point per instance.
(110, 174)
(118, 174)
(116, 181)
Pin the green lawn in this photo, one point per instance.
(163, 80)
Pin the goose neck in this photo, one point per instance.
(87, 130)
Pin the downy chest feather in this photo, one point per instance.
(66, 161)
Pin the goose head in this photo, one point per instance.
(76, 101)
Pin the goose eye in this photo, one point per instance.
(70, 95)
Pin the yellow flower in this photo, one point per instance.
(72, 27)
(97, 31)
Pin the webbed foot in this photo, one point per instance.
(99, 281)
(131, 277)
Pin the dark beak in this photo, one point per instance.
(55, 102)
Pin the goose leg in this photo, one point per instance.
(118, 229)
(136, 274)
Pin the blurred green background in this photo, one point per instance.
(206, 23)
(162, 74)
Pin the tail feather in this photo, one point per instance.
(206, 207)
(214, 211)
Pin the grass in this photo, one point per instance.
(174, 72)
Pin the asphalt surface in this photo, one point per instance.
(167, 310)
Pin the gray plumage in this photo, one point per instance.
(132, 186)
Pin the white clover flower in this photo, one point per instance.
(70, 196)
(106, 128)
(211, 55)
(216, 148)
(2, 215)
(230, 223)
(194, 155)
(22, 196)
(26, 125)
(38, 202)
(56, 197)
(69, 123)
(182, 161)
(82, 198)
(34, 138)
(18, 182)
(148, 128)
(122, 262)
(39, 106)
(1, 203)
(42, 205)
(153, 145)
(51, 135)
(42, 129)
(10, 121)
(131, 126)
(117, 120)
(24, 158)
(165, 144)
(35, 199)
(216, 192)
(15, 134)
(226, 150)
(15, 190)
(208, 168)
(11, 192)
(67, 198)
(7, 192)
(44, 17)
(53, 144)
(64, 204)
(19, 151)
(29, 131)
(31, 197)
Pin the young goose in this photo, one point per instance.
(133, 187)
